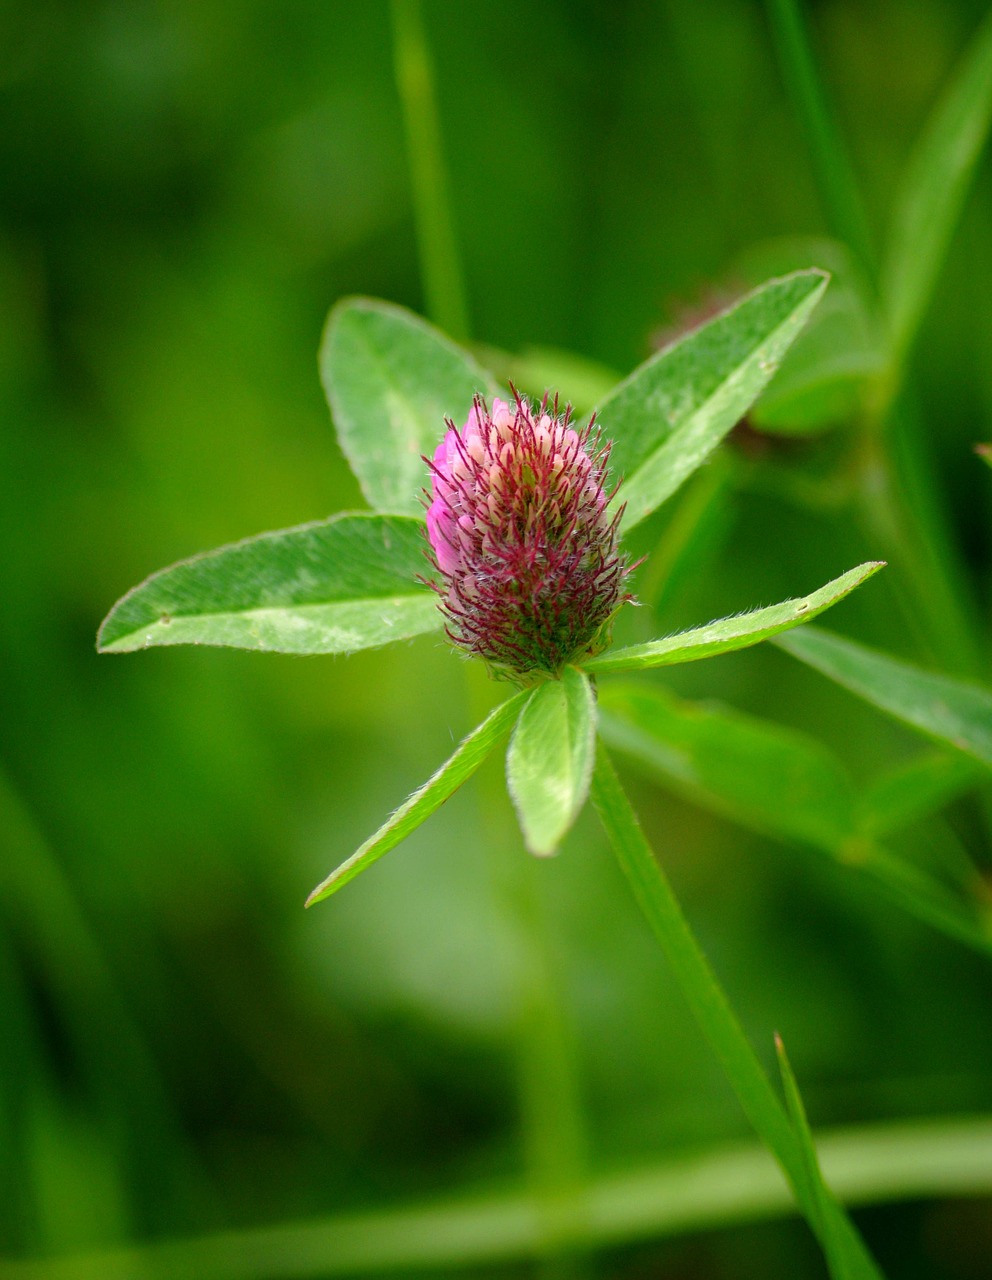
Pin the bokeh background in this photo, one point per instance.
(186, 189)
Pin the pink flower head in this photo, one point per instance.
(526, 552)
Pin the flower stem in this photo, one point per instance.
(710, 1006)
(441, 274)
(831, 163)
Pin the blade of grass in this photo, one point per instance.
(845, 1263)
(419, 806)
(716, 1188)
(708, 1002)
(933, 190)
(831, 162)
(444, 287)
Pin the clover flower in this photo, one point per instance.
(523, 532)
(522, 539)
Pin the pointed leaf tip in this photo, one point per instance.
(419, 806)
(737, 632)
(333, 586)
(667, 417)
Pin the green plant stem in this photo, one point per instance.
(832, 165)
(709, 1004)
(716, 1188)
(892, 505)
(444, 289)
(551, 1112)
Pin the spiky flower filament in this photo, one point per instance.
(524, 546)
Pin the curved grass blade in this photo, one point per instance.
(391, 379)
(933, 190)
(472, 751)
(709, 1003)
(671, 412)
(737, 632)
(949, 710)
(847, 1259)
(549, 763)
(334, 586)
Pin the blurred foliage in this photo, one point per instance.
(187, 188)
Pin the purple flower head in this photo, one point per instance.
(526, 552)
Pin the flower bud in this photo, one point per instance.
(525, 551)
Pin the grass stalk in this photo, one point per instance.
(440, 267)
(712, 1010)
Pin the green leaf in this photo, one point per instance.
(777, 782)
(933, 190)
(940, 707)
(708, 1001)
(391, 379)
(671, 412)
(915, 790)
(733, 633)
(419, 806)
(550, 759)
(847, 1257)
(780, 783)
(330, 587)
(772, 779)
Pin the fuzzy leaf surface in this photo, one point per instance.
(391, 379)
(419, 806)
(933, 190)
(737, 632)
(671, 412)
(939, 706)
(334, 586)
(549, 763)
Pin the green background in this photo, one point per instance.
(187, 187)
